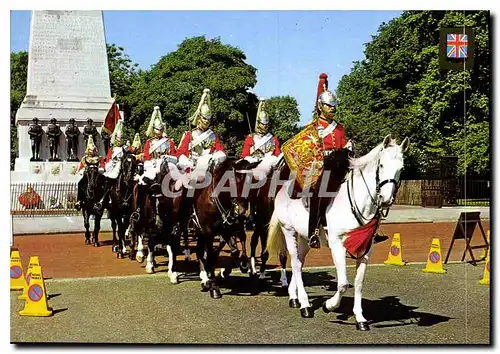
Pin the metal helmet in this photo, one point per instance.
(91, 148)
(202, 116)
(262, 121)
(156, 124)
(117, 136)
(136, 144)
(324, 96)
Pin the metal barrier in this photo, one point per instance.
(43, 198)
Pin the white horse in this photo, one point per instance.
(371, 185)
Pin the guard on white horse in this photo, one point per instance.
(352, 219)
(199, 148)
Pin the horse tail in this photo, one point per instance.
(275, 237)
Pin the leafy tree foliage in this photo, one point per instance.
(284, 117)
(399, 88)
(176, 83)
(18, 78)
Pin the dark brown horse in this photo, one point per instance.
(217, 213)
(91, 189)
(120, 201)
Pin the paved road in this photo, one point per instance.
(398, 214)
(406, 306)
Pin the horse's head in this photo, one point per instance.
(390, 165)
(92, 172)
(128, 167)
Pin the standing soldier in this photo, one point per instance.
(35, 132)
(200, 146)
(72, 134)
(89, 130)
(53, 134)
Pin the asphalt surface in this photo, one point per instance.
(405, 305)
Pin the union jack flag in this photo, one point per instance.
(456, 45)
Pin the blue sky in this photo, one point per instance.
(289, 48)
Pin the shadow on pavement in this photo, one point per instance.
(387, 309)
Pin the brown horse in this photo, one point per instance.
(260, 196)
(217, 213)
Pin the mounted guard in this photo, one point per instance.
(91, 157)
(200, 147)
(307, 151)
(136, 149)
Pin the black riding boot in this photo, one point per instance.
(314, 222)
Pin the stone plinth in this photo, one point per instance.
(68, 77)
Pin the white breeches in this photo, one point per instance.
(112, 169)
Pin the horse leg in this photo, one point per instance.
(361, 265)
(140, 248)
(133, 238)
(185, 238)
(235, 253)
(339, 259)
(121, 239)
(86, 223)
(244, 257)
(253, 250)
(283, 279)
(172, 273)
(264, 254)
(211, 259)
(112, 216)
(298, 251)
(150, 261)
(200, 255)
(97, 227)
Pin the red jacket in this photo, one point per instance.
(249, 143)
(336, 139)
(186, 139)
(147, 155)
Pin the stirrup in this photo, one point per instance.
(314, 241)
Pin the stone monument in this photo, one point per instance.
(68, 78)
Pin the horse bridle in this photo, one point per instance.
(89, 191)
(375, 200)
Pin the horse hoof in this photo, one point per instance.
(139, 259)
(325, 309)
(294, 303)
(244, 268)
(215, 294)
(87, 242)
(97, 244)
(174, 279)
(205, 287)
(307, 312)
(150, 270)
(114, 249)
(362, 326)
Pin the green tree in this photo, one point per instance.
(399, 88)
(176, 83)
(284, 116)
(18, 78)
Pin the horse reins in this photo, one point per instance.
(379, 212)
